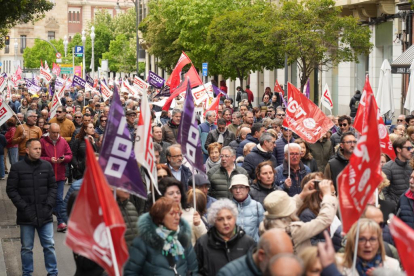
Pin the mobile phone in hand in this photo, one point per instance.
(62, 157)
(316, 184)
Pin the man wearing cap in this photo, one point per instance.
(202, 184)
(250, 211)
(255, 262)
(131, 115)
(220, 176)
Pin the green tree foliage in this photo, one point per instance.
(313, 33)
(42, 51)
(14, 12)
(121, 56)
(239, 42)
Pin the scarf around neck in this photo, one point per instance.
(221, 137)
(210, 164)
(362, 266)
(172, 245)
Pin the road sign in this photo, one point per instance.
(58, 60)
(205, 69)
(1, 64)
(58, 55)
(79, 51)
(66, 70)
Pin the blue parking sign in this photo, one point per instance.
(205, 69)
(79, 51)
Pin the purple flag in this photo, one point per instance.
(165, 92)
(78, 81)
(283, 99)
(217, 91)
(32, 87)
(307, 91)
(117, 158)
(89, 80)
(188, 135)
(155, 80)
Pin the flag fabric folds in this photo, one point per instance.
(327, 98)
(5, 112)
(404, 241)
(175, 79)
(385, 95)
(278, 89)
(96, 227)
(117, 157)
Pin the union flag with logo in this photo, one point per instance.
(304, 117)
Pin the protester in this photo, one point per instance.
(256, 131)
(12, 149)
(305, 155)
(79, 149)
(354, 103)
(236, 121)
(26, 132)
(201, 204)
(170, 129)
(264, 183)
(224, 242)
(175, 163)
(66, 126)
(213, 159)
(406, 204)
(286, 138)
(130, 215)
(205, 128)
(160, 232)
(241, 134)
(285, 262)
(220, 135)
(157, 137)
(344, 123)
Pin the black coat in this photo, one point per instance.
(213, 137)
(354, 103)
(32, 188)
(398, 173)
(259, 193)
(249, 139)
(213, 252)
(78, 159)
(254, 158)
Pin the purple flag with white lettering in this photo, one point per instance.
(89, 79)
(188, 135)
(155, 80)
(32, 87)
(78, 81)
(117, 157)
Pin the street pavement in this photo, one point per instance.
(10, 261)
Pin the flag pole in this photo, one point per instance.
(152, 192)
(376, 198)
(288, 158)
(194, 192)
(354, 272)
(111, 246)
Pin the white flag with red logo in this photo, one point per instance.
(44, 74)
(3, 81)
(361, 177)
(5, 112)
(9, 89)
(47, 67)
(404, 241)
(327, 99)
(304, 117)
(106, 92)
(131, 90)
(385, 143)
(55, 104)
(141, 85)
(56, 69)
(144, 145)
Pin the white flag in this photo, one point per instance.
(409, 100)
(131, 90)
(55, 104)
(141, 85)
(144, 146)
(327, 99)
(45, 75)
(106, 92)
(5, 112)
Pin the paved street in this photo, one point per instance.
(10, 262)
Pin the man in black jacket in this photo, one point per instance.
(220, 135)
(175, 162)
(32, 188)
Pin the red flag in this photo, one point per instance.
(41, 63)
(361, 177)
(194, 77)
(177, 92)
(214, 107)
(385, 143)
(404, 240)
(304, 117)
(278, 89)
(19, 71)
(96, 227)
(174, 79)
(56, 69)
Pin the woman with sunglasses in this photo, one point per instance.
(172, 188)
(163, 246)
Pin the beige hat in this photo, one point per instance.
(239, 179)
(279, 205)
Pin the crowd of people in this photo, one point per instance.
(267, 205)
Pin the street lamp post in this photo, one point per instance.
(93, 55)
(16, 45)
(84, 51)
(65, 44)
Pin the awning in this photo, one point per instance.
(402, 64)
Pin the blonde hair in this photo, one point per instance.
(309, 256)
(364, 224)
(384, 183)
(393, 137)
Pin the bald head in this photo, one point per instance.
(244, 131)
(285, 265)
(271, 243)
(374, 213)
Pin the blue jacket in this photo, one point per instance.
(254, 158)
(204, 129)
(250, 216)
(243, 266)
(282, 175)
(249, 139)
(185, 176)
(279, 150)
(405, 210)
(145, 253)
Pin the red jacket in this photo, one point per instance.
(9, 137)
(50, 150)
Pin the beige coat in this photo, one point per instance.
(196, 231)
(301, 232)
(389, 263)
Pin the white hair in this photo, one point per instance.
(217, 206)
(292, 145)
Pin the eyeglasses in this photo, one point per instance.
(294, 154)
(176, 214)
(282, 115)
(58, 112)
(400, 120)
(78, 117)
(225, 156)
(370, 240)
(104, 120)
(175, 156)
(350, 142)
(343, 125)
(408, 148)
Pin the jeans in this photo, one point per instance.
(2, 172)
(13, 155)
(59, 201)
(46, 240)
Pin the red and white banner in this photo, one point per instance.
(96, 227)
(361, 177)
(131, 90)
(56, 69)
(45, 75)
(3, 81)
(47, 67)
(278, 89)
(55, 104)
(200, 93)
(106, 92)
(326, 98)
(214, 107)
(61, 91)
(304, 117)
(141, 85)
(385, 143)
(404, 241)
(175, 79)
(144, 145)
(9, 89)
(194, 77)
(5, 112)
(176, 93)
